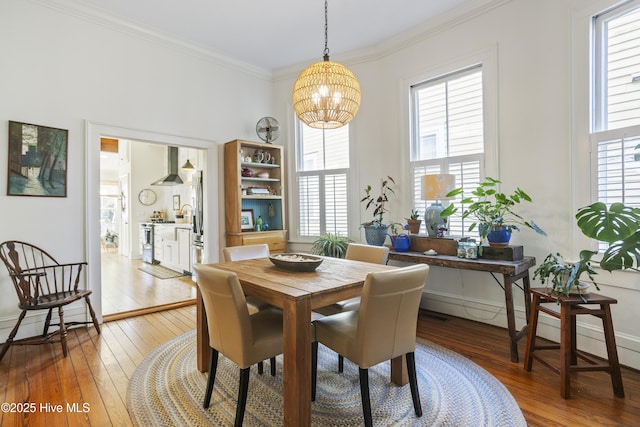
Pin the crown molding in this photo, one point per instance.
(99, 16)
(405, 39)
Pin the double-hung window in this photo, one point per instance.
(448, 135)
(615, 133)
(322, 166)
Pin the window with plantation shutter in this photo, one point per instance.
(322, 175)
(448, 136)
(615, 137)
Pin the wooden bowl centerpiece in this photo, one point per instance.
(296, 262)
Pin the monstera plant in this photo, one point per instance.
(618, 226)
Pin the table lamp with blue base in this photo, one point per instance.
(436, 187)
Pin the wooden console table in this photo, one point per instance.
(511, 272)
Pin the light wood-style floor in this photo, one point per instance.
(98, 369)
(128, 291)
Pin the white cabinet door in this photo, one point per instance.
(184, 249)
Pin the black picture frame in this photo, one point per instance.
(246, 220)
(37, 164)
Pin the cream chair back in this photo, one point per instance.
(227, 313)
(239, 253)
(367, 253)
(388, 314)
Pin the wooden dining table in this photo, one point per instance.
(297, 293)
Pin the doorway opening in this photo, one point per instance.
(114, 214)
(131, 283)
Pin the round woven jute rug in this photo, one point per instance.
(167, 389)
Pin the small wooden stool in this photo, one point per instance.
(570, 307)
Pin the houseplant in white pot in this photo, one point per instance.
(618, 226)
(375, 231)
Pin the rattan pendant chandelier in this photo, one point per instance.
(326, 94)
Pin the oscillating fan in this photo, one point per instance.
(268, 129)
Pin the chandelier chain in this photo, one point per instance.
(326, 31)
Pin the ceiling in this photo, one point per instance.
(280, 33)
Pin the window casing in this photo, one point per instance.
(447, 114)
(615, 124)
(322, 175)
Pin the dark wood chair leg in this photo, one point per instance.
(12, 335)
(612, 352)
(366, 402)
(260, 367)
(273, 366)
(63, 332)
(533, 330)
(413, 382)
(213, 366)
(47, 323)
(340, 363)
(314, 369)
(93, 314)
(242, 395)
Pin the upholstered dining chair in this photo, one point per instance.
(382, 329)
(42, 283)
(239, 253)
(244, 339)
(355, 252)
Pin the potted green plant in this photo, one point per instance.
(331, 245)
(375, 231)
(413, 222)
(617, 226)
(562, 276)
(493, 212)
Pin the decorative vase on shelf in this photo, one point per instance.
(375, 234)
(499, 237)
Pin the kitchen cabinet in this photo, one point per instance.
(172, 247)
(184, 248)
(254, 176)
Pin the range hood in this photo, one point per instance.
(172, 178)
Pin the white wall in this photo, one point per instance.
(535, 49)
(61, 70)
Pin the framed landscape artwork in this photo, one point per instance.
(246, 219)
(37, 160)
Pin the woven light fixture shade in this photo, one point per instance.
(326, 95)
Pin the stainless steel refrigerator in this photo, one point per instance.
(197, 235)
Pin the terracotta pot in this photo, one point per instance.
(414, 225)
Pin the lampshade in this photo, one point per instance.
(188, 166)
(437, 186)
(326, 94)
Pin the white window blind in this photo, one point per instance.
(618, 172)
(322, 172)
(448, 136)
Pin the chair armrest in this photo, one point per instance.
(26, 273)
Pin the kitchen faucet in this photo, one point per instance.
(180, 213)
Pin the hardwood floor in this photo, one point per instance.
(128, 291)
(98, 368)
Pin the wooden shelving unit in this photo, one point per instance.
(269, 203)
